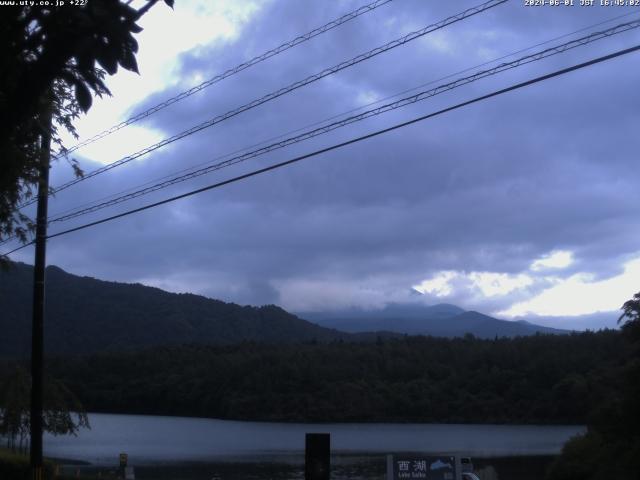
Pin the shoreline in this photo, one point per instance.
(336, 422)
(343, 467)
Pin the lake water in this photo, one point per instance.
(151, 440)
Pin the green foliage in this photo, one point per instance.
(63, 414)
(16, 467)
(52, 60)
(85, 315)
(611, 447)
(579, 458)
(595, 457)
(540, 379)
(630, 319)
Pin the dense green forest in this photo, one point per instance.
(86, 316)
(539, 379)
(610, 450)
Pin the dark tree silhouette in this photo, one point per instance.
(611, 447)
(631, 318)
(63, 413)
(53, 58)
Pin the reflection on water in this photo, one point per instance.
(343, 467)
(150, 439)
(194, 448)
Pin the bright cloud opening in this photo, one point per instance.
(122, 143)
(556, 259)
(489, 284)
(579, 295)
(191, 24)
(492, 284)
(438, 285)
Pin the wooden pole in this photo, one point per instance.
(37, 332)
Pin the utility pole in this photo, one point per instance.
(37, 332)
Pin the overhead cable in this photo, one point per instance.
(232, 71)
(355, 118)
(334, 117)
(278, 93)
(343, 144)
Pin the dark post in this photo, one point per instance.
(37, 328)
(317, 456)
(124, 458)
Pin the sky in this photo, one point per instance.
(522, 206)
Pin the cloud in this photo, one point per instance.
(555, 260)
(592, 321)
(514, 196)
(580, 295)
(195, 24)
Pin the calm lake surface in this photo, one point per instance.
(150, 440)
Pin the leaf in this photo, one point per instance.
(128, 61)
(107, 59)
(83, 96)
(135, 28)
(169, 3)
(77, 171)
(131, 44)
(86, 60)
(68, 77)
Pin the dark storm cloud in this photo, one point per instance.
(491, 187)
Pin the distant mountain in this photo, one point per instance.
(85, 315)
(592, 321)
(441, 320)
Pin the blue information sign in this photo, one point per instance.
(421, 467)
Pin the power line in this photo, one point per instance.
(278, 93)
(8, 239)
(349, 142)
(431, 82)
(232, 71)
(333, 117)
(356, 118)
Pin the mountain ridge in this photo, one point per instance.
(86, 315)
(126, 316)
(444, 320)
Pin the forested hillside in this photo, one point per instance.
(610, 449)
(85, 315)
(540, 379)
